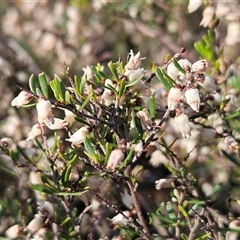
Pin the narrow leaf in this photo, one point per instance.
(182, 210)
(89, 148)
(32, 83)
(86, 101)
(41, 188)
(43, 84)
(113, 70)
(179, 68)
(165, 83)
(152, 107)
(230, 158)
(134, 82)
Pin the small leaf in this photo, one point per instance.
(71, 193)
(152, 107)
(38, 91)
(179, 68)
(86, 101)
(217, 188)
(42, 188)
(88, 146)
(43, 84)
(66, 174)
(127, 159)
(134, 82)
(122, 88)
(164, 220)
(182, 210)
(113, 70)
(230, 158)
(233, 115)
(184, 236)
(21, 151)
(32, 83)
(103, 75)
(164, 81)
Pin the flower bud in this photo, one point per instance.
(78, 137)
(13, 232)
(88, 73)
(200, 66)
(35, 131)
(208, 15)
(174, 96)
(115, 158)
(145, 118)
(216, 122)
(6, 142)
(183, 125)
(107, 97)
(35, 224)
(44, 111)
(22, 99)
(233, 33)
(193, 99)
(164, 183)
(133, 61)
(58, 124)
(208, 83)
(193, 5)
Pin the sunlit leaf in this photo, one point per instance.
(43, 84)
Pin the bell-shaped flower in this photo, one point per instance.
(35, 224)
(134, 74)
(22, 98)
(145, 118)
(200, 66)
(233, 33)
(164, 183)
(69, 117)
(121, 219)
(134, 61)
(232, 143)
(216, 122)
(109, 83)
(193, 5)
(58, 124)
(208, 83)
(6, 142)
(36, 131)
(193, 99)
(87, 72)
(107, 97)
(183, 125)
(116, 157)
(174, 97)
(44, 111)
(78, 137)
(13, 232)
(208, 15)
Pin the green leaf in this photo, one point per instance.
(217, 188)
(230, 158)
(103, 75)
(13, 156)
(122, 87)
(68, 97)
(165, 220)
(71, 193)
(58, 88)
(113, 70)
(66, 174)
(182, 210)
(164, 81)
(171, 212)
(42, 188)
(179, 68)
(152, 107)
(38, 91)
(127, 159)
(32, 83)
(96, 74)
(43, 84)
(233, 115)
(88, 146)
(184, 236)
(86, 101)
(21, 151)
(134, 82)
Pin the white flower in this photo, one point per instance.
(121, 219)
(208, 15)
(200, 66)
(193, 5)
(216, 122)
(193, 99)
(69, 117)
(35, 224)
(13, 232)
(175, 74)
(233, 33)
(107, 97)
(183, 125)
(78, 137)
(44, 111)
(174, 97)
(145, 118)
(109, 83)
(58, 124)
(6, 142)
(46, 207)
(164, 183)
(21, 99)
(232, 143)
(88, 73)
(116, 156)
(233, 235)
(36, 131)
(133, 61)
(208, 84)
(134, 74)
